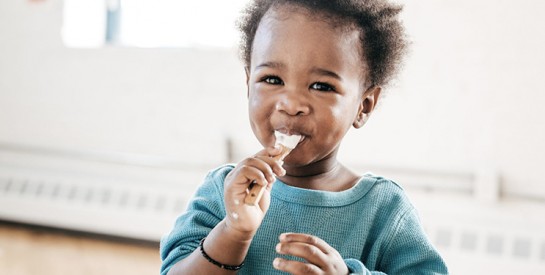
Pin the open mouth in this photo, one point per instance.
(289, 138)
(290, 132)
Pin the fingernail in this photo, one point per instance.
(278, 248)
(276, 262)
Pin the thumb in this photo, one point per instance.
(265, 201)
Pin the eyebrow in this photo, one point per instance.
(274, 65)
(325, 72)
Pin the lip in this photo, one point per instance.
(290, 132)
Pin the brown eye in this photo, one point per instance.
(273, 80)
(323, 87)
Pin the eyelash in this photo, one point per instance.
(325, 86)
(328, 88)
(267, 79)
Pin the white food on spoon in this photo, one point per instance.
(286, 140)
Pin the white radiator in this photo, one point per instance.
(476, 237)
(105, 197)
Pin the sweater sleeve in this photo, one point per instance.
(203, 213)
(357, 267)
(408, 251)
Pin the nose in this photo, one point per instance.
(293, 103)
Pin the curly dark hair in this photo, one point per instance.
(383, 42)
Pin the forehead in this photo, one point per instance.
(303, 35)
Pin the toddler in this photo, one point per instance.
(314, 68)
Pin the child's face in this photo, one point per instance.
(305, 77)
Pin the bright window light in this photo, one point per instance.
(151, 23)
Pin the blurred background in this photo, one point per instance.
(112, 112)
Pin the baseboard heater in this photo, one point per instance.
(108, 195)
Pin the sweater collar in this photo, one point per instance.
(310, 197)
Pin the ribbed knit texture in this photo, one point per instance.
(372, 225)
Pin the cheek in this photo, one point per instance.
(343, 116)
(259, 111)
(252, 106)
(257, 106)
(253, 110)
(338, 121)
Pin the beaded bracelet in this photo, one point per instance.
(216, 263)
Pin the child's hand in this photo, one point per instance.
(260, 169)
(321, 257)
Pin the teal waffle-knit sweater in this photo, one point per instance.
(372, 225)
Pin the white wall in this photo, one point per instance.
(122, 99)
(470, 96)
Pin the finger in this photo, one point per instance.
(247, 173)
(276, 165)
(307, 239)
(265, 200)
(269, 151)
(273, 151)
(295, 267)
(268, 155)
(306, 251)
(261, 163)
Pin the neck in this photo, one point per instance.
(327, 174)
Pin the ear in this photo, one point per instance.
(367, 105)
(247, 70)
